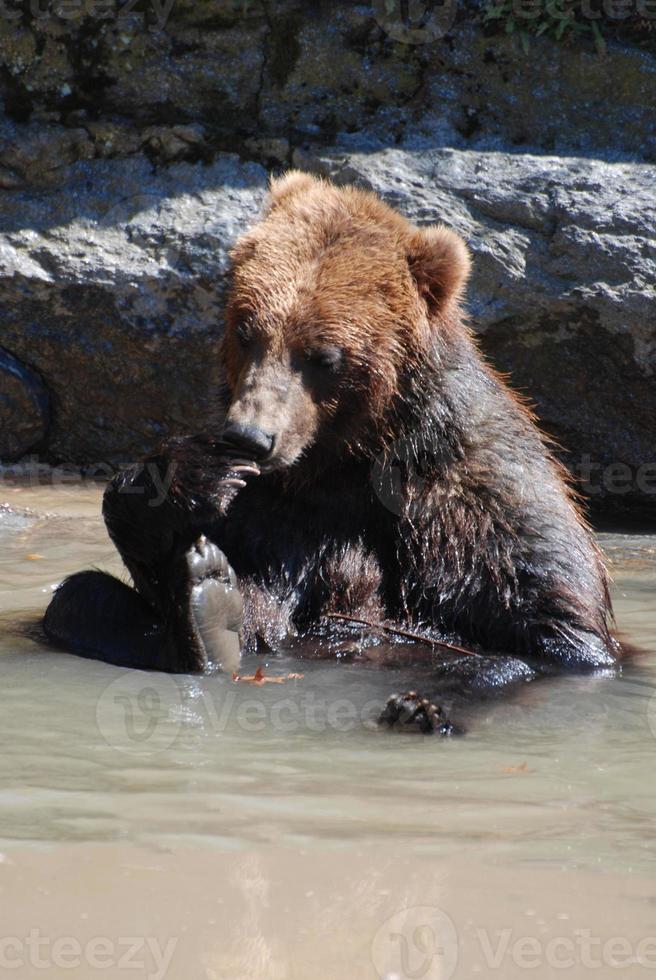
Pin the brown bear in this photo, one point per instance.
(366, 461)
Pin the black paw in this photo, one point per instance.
(209, 607)
(206, 475)
(411, 713)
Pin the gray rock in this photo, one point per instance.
(36, 154)
(251, 69)
(112, 288)
(558, 98)
(24, 408)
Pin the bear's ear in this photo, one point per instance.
(439, 262)
(290, 184)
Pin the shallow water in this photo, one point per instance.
(269, 831)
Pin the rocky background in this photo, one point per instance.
(135, 142)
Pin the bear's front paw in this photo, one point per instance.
(410, 712)
(205, 474)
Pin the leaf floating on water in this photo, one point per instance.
(259, 677)
(511, 770)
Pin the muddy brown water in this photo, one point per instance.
(189, 828)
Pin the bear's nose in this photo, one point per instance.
(253, 441)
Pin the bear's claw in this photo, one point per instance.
(233, 480)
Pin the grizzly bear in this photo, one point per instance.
(365, 461)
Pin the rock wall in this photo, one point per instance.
(135, 146)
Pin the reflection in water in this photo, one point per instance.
(260, 824)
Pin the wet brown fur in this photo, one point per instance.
(336, 266)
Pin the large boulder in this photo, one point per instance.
(112, 289)
(24, 408)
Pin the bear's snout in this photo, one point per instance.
(273, 417)
(249, 438)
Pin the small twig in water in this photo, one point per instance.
(417, 637)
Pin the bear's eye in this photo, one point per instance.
(244, 335)
(329, 358)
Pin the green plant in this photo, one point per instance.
(555, 18)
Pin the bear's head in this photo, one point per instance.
(335, 305)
